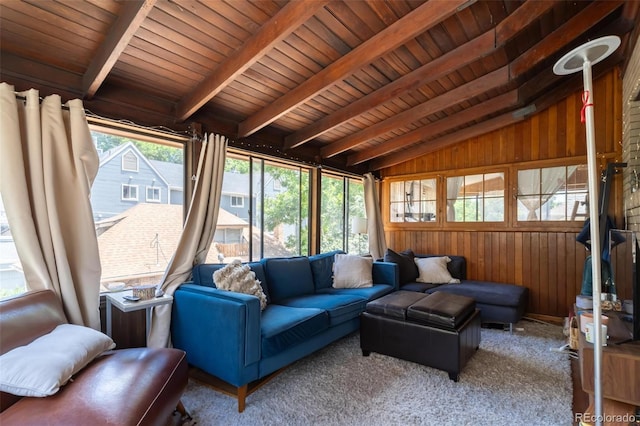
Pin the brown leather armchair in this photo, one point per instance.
(139, 386)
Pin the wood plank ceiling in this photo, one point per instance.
(357, 85)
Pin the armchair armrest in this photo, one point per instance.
(219, 330)
(386, 273)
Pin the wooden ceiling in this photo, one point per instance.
(358, 85)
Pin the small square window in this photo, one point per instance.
(237, 201)
(153, 194)
(129, 192)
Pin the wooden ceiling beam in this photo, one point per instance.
(281, 25)
(494, 105)
(445, 141)
(493, 80)
(471, 51)
(439, 67)
(406, 28)
(563, 36)
(119, 36)
(521, 18)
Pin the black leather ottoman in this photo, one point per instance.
(439, 330)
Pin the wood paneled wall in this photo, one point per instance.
(547, 261)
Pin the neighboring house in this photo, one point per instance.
(136, 246)
(174, 175)
(126, 178)
(235, 193)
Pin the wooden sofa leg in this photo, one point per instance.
(184, 414)
(242, 396)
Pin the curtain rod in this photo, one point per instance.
(24, 98)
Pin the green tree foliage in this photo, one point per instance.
(332, 214)
(289, 206)
(236, 165)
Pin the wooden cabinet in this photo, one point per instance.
(620, 373)
(128, 328)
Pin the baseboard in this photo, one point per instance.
(546, 318)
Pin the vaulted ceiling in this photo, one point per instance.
(358, 85)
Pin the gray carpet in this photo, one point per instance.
(511, 380)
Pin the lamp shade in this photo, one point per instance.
(358, 225)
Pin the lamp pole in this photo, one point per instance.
(582, 59)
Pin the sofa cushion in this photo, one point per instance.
(41, 367)
(421, 287)
(488, 293)
(368, 293)
(322, 268)
(340, 307)
(288, 277)
(203, 275)
(352, 271)
(407, 267)
(283, 327)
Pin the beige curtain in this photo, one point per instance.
(197, 233)
(375, 228)
(47, 165)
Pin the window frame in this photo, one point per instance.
(510, 193)
(122, 197)
(153, 199)
(502, 223)
(236, 197)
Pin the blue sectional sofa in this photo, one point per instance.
(498, 302)
(227, 336)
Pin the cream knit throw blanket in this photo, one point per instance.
(241, 279)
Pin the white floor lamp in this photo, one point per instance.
(583, 58)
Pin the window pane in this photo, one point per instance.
(476, 198)
(358, 237)
(396, 213)
(281, 211)
(231, 239)
(12, 279)
(528, 207)
(494, 209)
(256, 209)
(137, 201)
(552, 193)
(332, 214)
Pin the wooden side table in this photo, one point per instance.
(117, 299)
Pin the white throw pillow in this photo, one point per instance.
(351, 271)
(434, 270)
(239, 278)
(40, 368)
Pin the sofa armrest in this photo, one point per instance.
(386, 273)
(219, 330)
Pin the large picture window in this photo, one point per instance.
(137, 232)
(552, 193)
(476, 198)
